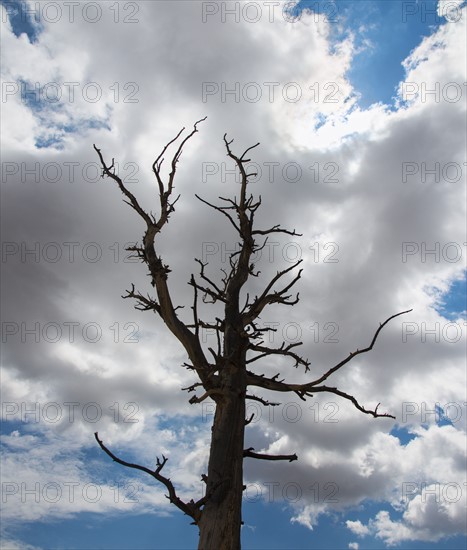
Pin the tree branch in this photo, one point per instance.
(248, 453)
(265, 352)
(209, 393)
(276, 229)
(143, 304)
(304, 390)
(269, 298)
(157, 269)
(262, 401)
(107, 171)
(208, 280)
(222, 211)
(191, 509)
(351, 398)
(357, 352)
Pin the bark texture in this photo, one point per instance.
(220, 522)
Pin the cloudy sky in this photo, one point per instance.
(360, 111)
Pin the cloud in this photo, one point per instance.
(430, 516)
(382, 470)
(450, 9)
(432, 505)
(78, 483)
(358, 528)
(11, 544)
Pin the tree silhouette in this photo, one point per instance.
(226, 376)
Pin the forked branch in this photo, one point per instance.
(191, 508)
(159, 271)
(276, 297)
(306, 390)
(265, 351)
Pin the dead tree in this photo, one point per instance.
(226, 375)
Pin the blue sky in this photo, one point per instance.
(387, 32)
(381, 34)
(175, 533)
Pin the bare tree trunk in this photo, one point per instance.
(218, 512)
(220, 522)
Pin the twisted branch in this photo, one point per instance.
(191, 508)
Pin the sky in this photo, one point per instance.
(360, 111)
